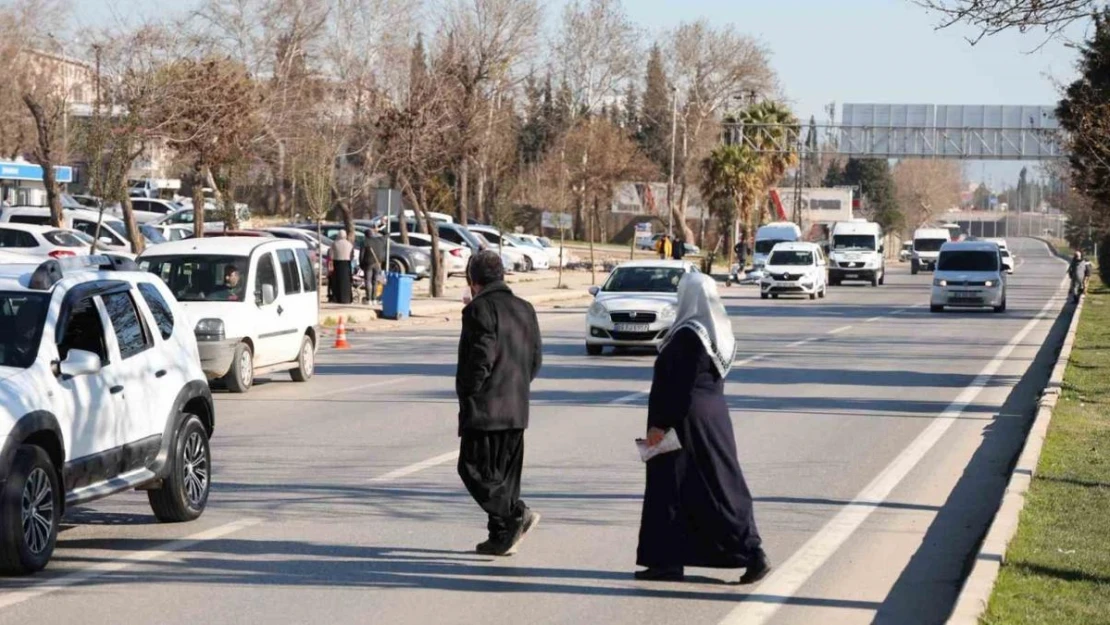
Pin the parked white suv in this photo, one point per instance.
(795, 269)
(101, 391)
(254, 299)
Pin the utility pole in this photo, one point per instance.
(674, 138)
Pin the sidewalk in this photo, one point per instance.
(538, 288)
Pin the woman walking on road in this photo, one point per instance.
(698, 510)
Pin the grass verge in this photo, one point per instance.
(1057, 567)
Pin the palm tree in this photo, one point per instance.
(769, 128)
(732, 180)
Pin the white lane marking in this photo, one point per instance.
(10, 599)
(416, 468)
(803, 342)
(784, 582)
(841, 329)
(874, 319)
(349, 389)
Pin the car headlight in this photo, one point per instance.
(210, 330)
(989, 283)
(668, 313)
(939, 282)
(597, 309)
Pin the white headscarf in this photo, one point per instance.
(700, 309)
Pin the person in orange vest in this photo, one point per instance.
(663, 247)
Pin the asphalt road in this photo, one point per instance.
(875, 436)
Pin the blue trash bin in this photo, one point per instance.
(397, 296)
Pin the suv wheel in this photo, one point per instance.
(882, 277)
(914, 267)
(184, 491)
(30, 507)
(528, 266)
(306, 361)
(241, 376)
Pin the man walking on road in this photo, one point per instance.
(500, 353)
(1079, 270)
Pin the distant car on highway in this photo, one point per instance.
(636, 306)
(1007, 260)
(797, 268)
(926, 248)
(906, 252)
(969, 274)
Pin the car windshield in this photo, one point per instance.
(854, 241)
(1005, 253)
(21, 319)
(928, 245)
(201, 278)
(546, 242)
(791, 258)
(63, 238)
(644, 280)
(968, 260)
(766, 245)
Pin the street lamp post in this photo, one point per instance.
(670, 183)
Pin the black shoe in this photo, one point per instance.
(499, 546)
(661, 574)
(759, 569)
(531, 519)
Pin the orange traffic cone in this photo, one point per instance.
(341, 336)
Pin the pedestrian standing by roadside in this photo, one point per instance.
(663, 247)
(500, 353)
(371, 267)
(678, 250)
(697, 510)
(341, 253)
(1079, 270)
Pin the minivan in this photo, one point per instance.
(969, 274)
(254, 300)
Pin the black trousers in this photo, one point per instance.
(490, 465)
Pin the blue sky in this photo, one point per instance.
(881, 51)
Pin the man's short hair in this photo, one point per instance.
(485, 268)
(230, 269)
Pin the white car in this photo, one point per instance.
(174, 233)
(796, 268)
(529, 257)
(213, 218)
(969, 274)
(255, 303)
(41, 241)
(103, 392)
(147, 210)
(1007, 260)
(455, 257)
(636, 306)
(556, 255)
(111, 230)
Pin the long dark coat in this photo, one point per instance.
(697, 507)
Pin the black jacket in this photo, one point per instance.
(500, 353)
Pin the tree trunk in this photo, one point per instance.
(480, 212)
(44, 155)
(345, 212)
(137, 243)
(279, 182)
(464, 189)
(198, 200)
(679, 210)
(419, 202)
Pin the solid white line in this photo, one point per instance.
(802, 342)
(785, 581)
(841, 329)
(416, 468)
(874, 319)
(53, 585)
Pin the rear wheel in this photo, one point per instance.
(30, 508)
(528, 266)
(936, 309)
(396, 265)
(306, 361)
(184, 492)
(875, 280)
(241, 376)
(824, 291)
(763, 296)
(593, 350)
(882, 278)
(813, 295)
(775, 296)
(914, 267)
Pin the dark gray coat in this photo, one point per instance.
(500, 353)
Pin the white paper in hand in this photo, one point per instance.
(668, 444)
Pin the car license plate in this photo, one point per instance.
(851, 276)
(631, 327)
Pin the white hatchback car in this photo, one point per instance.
(969, 274)
(43, 241)
(636, 306)
(255, 300)
(101, 391)
(795, 268)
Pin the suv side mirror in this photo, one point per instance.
(79, 362)
(268, 294)
(594, 290)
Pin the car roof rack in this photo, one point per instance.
(50, 272)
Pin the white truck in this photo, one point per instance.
(856, 252)
(770, 235)
(926, 248)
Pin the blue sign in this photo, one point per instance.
(31, 172)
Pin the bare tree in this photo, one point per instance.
(484, 42)
(924, 187)
(712, 68)
(990, 17)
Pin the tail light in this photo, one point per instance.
(61, 254)
(457, 252)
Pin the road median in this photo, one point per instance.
(1046, 557)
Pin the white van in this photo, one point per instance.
(926, 248)
(254, 300)
(856, 252)
(770, 235)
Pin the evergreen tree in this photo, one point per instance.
(834, 175)
(418, 65)
(1022, 193)
(631, 117)
(656, 111)
(533, 132)
(876, 186)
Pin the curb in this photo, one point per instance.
(446, 313)
(979, 585)
(1051, 247)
